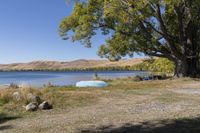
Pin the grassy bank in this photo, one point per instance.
(89, 109)
(70, 97)
(59, 97)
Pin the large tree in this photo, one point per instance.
(162, 28)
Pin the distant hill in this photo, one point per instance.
(77, 64)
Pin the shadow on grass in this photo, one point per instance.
(163, 126)
(4, 118)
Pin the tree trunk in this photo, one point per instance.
(187, 68)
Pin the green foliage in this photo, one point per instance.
(161, 28)
(161, 65)
(124, 20)
(82, 22)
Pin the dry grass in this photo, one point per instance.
(77, 96)
(89, 109)
(59, 97)
(6, 94)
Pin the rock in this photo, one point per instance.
(31, 107)
(45, 106)
(33, 98)
(16, 96)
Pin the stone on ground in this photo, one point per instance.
(34, 98)
(45, 106)
(31, 106)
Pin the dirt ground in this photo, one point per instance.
(144, 107)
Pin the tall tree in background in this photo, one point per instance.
(161, 28)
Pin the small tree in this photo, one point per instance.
(162, 28)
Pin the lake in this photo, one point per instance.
(39, 78)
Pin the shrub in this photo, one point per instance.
(137, 78)
(159, 65)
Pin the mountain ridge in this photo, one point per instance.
(76, 64)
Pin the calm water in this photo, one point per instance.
(38, 79)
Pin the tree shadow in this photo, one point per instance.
(162, 126)
(4, 118)
(5, 127)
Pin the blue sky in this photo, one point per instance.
(29, 31)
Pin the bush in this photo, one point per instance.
(137, 78)
(158, 65)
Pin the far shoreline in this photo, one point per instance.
(73, 70)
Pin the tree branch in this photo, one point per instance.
(148, 23)
(182, 36)
(166, 35)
